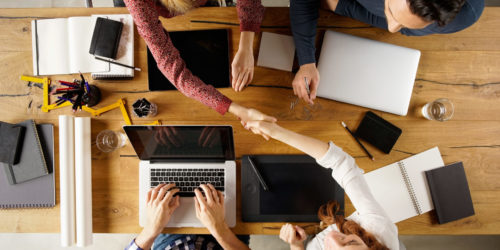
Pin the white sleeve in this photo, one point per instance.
(350, 177)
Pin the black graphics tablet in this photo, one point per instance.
(298, 186)
(206, 54)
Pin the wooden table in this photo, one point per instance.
(464, 67)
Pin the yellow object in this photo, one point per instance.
(46, 82)
(157, 122)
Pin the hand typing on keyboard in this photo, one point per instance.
(210, 208)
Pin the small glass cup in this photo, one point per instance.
(439, 110)
(108, 140)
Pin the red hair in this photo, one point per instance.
(328, 214)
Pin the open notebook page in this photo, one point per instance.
(80, 30)
(50, 46)
(389, 189)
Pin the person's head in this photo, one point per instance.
(178, 6)
(351, 236)
(417, 14)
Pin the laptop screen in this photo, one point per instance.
(181, 142)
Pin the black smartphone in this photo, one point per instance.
(378, 132)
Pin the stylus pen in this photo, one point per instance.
(119, 64)
(261, 180)
(356, 138)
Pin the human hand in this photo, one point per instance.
(160, 205)
(168, 136)
(293, 235)
(266, 129)
(307, 73)
(242, 69)
(210, 208)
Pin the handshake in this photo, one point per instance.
(255, 121)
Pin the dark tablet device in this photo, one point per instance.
(206, 54)
(298, 186)
(378, 132)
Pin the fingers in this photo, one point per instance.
(244, 81)
(269, 118)
(241, 75)
(154, 191)
(234, 76)
(221, 198)
(200, 198)
(208, 193)
(215, 194)
(197, 206)
(170, 194)
(148, 198)
(301, 232)
(314, 88)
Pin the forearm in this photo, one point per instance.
(306, 144)
(228, 240)
(236, 109)
(145, 239)
(246, 40)
(297, 247)
(304, 18)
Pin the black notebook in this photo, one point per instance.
(450, 192)
(106, 38)
(11, 136)
(32, 163)
(39, 192)
(206, 54)
(378, 132)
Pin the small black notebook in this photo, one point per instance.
(11, 140)
(378, 132)
(33, 161)
(206, 54)
(106, 38)
(450, 192)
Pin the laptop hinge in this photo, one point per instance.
(156, 161)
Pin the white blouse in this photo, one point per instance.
(369, 214)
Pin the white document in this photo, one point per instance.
(401, 188)
(276, 51)
(61, 46)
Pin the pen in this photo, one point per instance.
(261, 180)
(356, 138)
(68, 84)
(307, 86)
(117, 63)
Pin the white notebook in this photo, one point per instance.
(401, 188)
(125, 54)
(61, 46)
(276, 51)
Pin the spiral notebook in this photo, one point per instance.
(36, 193)
(401, 188)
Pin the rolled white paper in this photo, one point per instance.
(66, 180)
(83, 181)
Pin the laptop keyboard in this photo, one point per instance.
(188, 179)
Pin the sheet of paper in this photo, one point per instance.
(276, 51)
(80, 30)
(50, 46)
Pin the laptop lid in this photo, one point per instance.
(367, 73)
(182, 143)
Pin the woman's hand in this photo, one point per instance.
(246, 115)
(264, 128)
(243, 62)
(293, 235)
(210, 208)
(160, 205)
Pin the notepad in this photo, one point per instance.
(401, 188)
(39, 192)
(125, 53)
(276, 51)
(61, 46)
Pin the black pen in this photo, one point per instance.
(261, 180)
(356, 138)
(117, 63)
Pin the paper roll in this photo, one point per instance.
(83, 181)
(66, 180)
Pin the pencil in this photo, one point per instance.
(261, 180)
(119, 64)
(360, 144)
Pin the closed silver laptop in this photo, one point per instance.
(367, 73)
(188, 156)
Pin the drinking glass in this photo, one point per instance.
(439, 110)
(108, 140)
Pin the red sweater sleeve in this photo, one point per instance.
(250, 13)
(168, 59)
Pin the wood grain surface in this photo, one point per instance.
(464, 67)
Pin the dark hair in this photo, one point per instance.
(329, 214)
(440, 11)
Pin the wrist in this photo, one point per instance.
(145, 239)
(308, 66)
(219, 230)
(236, 109)
(246, 41)
(297, 246)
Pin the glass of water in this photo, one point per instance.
(108, 140)
(438, 110)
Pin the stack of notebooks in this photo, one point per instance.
(64, 46)
(419, 184)
(27, 159)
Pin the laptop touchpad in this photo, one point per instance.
(185, 213)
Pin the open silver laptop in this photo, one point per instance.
(188, 156)
(367, 73)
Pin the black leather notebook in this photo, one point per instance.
(11, 140)
(378, 132)
(450, 192)
(106, 38)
